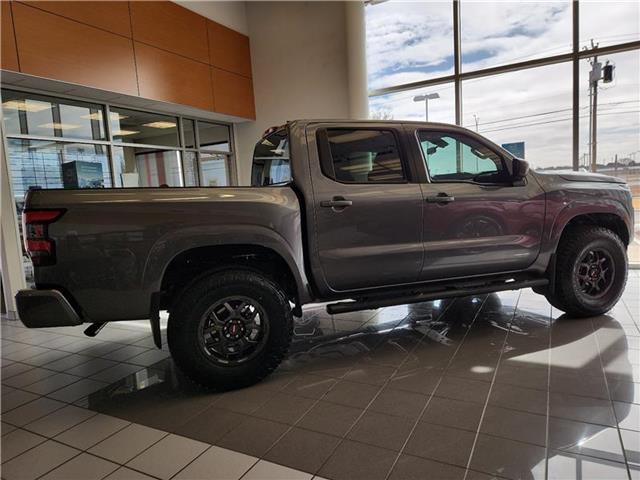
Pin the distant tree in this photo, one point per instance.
(381, 114)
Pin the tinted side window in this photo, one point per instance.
(364, 156)
(271, 160)
(451, 158)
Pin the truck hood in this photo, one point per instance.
(583, 177)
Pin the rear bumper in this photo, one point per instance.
(45, 308)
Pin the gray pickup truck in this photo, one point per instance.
(359, 214)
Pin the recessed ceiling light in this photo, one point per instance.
(123, 133)
(26, 106)
(59, 126)
(159, 124)
(98, 116)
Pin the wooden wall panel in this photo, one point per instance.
(233, 94)
(172, 78)
(170, 27)
(9, 54)
(54, 47)
(90, 43)
(228, 49)
(111, 16)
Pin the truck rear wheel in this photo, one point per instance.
(591, 271)
(230, 329)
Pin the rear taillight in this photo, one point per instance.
(35, 230)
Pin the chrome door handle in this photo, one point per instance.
(440, 198)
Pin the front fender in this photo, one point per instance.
(569, 210)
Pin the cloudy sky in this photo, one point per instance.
(413, 41)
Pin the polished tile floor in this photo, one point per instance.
(498, 385)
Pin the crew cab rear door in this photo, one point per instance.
(477, 219)
(367, 219)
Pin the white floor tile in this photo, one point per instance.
(127, 443)
(37, 461)
(59, 421)
(18, 441)
(124, 473)
(264, 470)
(217, 464)
(82, 467)
(91, 431)
(168, 456)
(77, 390)
(31, 411)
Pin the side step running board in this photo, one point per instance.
(373, 303)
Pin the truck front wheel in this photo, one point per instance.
(230, 329)
(591, 271)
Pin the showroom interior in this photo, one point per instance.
(157, 94)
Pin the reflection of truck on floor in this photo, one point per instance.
(365, 215)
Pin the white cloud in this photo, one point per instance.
(512, 31)
(402, 36)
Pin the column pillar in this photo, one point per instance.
(10, 249)
(357, 60)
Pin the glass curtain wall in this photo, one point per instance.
(61, 143)
(518, 73)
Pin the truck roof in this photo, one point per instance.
(302, 123)
(307, 121)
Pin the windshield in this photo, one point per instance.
(271, 160)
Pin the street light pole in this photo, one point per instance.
(425, 98)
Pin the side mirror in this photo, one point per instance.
(520, 168)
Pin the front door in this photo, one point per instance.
(477, 219)
(368, 212)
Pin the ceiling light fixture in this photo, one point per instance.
(59, 126)
(98, 116)
(159, 124)
(31, 106)
(124, 133)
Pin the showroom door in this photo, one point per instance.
(477, 220)
(368, 215)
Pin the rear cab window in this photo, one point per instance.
(271, 159)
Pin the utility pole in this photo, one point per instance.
(477, 120)
(595, 69)
(597, 73)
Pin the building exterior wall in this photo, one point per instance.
(155, 50)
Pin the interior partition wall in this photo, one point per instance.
(519, 73)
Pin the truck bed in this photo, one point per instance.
(112, 246)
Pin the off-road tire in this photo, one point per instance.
(568, 296)
(184, 328)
